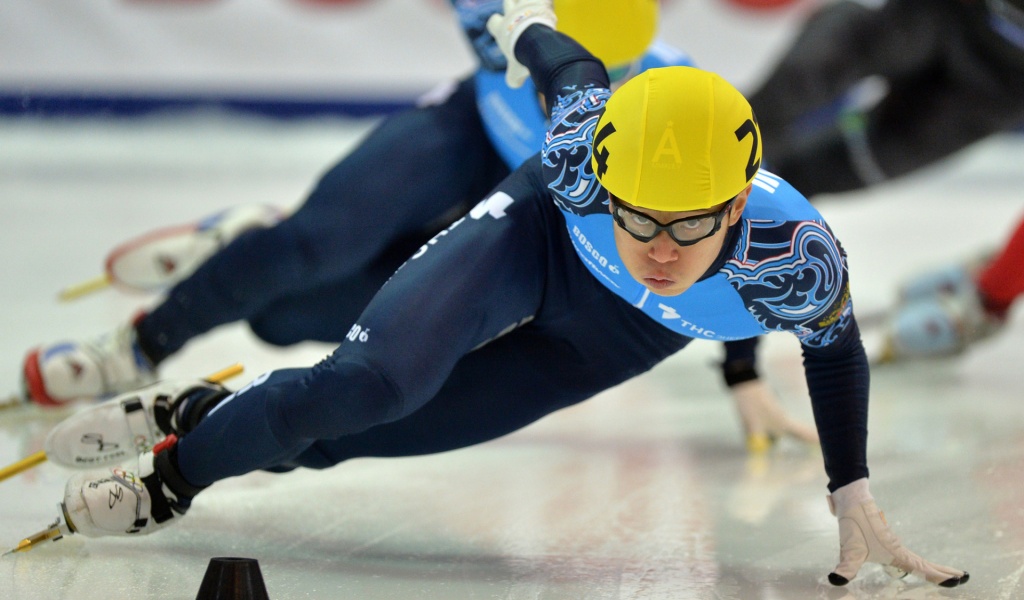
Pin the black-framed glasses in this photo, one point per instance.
(685, 232)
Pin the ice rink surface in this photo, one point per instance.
(644, 492)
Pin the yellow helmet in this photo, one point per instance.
(615, 31)
(676, 139)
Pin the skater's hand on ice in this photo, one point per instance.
(864, 536)
(506, 29)
(764, 420)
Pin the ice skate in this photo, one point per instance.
(159, 259)
(123, 427)
(951, 280)
(938, 313)
(125, 501)
(945, 324)
(59, 373)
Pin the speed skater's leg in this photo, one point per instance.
(944, 93)
(1002, 281)
(413, 173)
(838, 46)
(581, 340)
(485, 274)
(326, 314)
(515, 380)
(828, 56)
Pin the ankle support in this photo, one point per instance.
(181, 414)
(167, 474)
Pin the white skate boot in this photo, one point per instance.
(113, 431)
(161, 258)
(124, 501)
(66, 371)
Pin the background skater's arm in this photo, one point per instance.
(526, 35)
(473, 15)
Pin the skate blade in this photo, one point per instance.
(54, 532)
(13, 401)
(84, 288)
(22, 465)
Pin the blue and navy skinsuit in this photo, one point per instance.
(310, 276)
(520, 308)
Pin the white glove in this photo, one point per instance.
(764, 420)
(864, 536)
(506, 29)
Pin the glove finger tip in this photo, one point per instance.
(955, 581)
(837, 580)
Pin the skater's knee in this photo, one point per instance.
(345, 396)
(275, 332)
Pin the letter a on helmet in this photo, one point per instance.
(676, 139)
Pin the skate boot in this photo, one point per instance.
(113, 431)
(941, 325)
(161, 258)
(66, 371)
(951, 280)
(129, 502)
